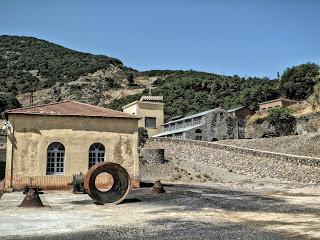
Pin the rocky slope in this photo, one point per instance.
(30, 66)
(55, 73)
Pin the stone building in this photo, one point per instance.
(212, 125)
(241, 114)
(47, 144)
(279, 102)
(150, 109)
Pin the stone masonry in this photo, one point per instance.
(241, 160)
(151, 155)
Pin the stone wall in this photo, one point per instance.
(219, 125)
(152, 155)
(241, 160)
(308, 124)
(304, 125)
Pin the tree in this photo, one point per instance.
(142, 136)
(314, 99)
(282, 119)
(8, 101)
(297, 82)
(130, 79)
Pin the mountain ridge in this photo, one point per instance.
(53, 73)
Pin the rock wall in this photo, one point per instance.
(258, 130)
(304, 125)
(152, 155)
(308, 124)
(241, 160)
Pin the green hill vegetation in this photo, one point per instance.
(52, 63)
(28, 63)
(188, 92)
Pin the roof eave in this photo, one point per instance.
(69, 115)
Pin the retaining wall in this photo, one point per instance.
(152, 155)
(240, 159)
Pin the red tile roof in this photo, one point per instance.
(71, 108)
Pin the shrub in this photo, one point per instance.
(282, 119)
(142, 135)
(8, 101)
(130, 79)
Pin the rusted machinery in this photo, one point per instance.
(158, 187)
(119, 189)
(78, 183)
(32, 198)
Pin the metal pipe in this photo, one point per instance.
(120, 187)
(12, 151)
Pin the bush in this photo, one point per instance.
(142, 136)
(130, 79)
(282, 119)
(8, 101)
(298, 82)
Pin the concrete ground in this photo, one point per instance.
(206, 211)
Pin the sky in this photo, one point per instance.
(246, 38)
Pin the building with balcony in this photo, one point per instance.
(212, 125)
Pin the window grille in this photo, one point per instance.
(150, 122)
(197, 121)
(96, 154)
(55, 159)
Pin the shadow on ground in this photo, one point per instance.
(186, 197)
(185, 200)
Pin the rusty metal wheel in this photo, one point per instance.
(121, 183)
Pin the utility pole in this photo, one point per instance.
(31, 97)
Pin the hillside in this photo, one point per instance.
(188, 92)
(56, 73)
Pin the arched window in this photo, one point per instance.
(96, 154)
(55, 159)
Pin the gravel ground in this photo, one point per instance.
(303, 145)
(184, 212)
(187, 171)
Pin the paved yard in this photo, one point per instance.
(184, 212)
